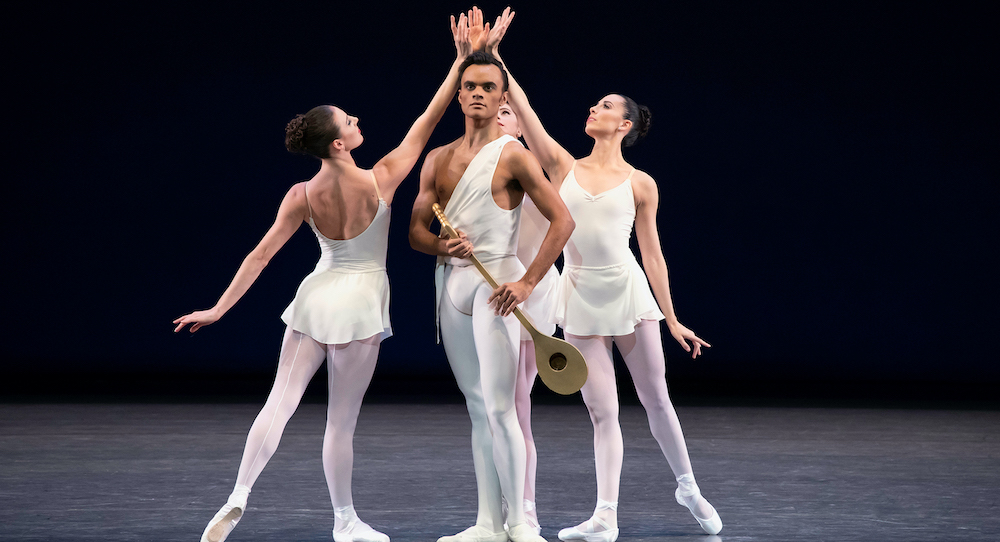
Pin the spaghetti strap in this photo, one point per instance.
(305, 187)
(377, 192)
(629, 178)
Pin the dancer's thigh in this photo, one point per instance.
(460, 347)
(600, 392)
(350, 367)
(642, 351)
(497, 343)
(300, 358)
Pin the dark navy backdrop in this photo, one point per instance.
(828, 173)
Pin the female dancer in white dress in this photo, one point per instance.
(341, 310)
(605, 298)
(540, 306)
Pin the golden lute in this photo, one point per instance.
(560, 365)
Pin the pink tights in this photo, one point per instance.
(643, 354)
(350, 367)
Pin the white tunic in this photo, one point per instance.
(602, 290)
(346, 297)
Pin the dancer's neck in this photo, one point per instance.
(479, 132)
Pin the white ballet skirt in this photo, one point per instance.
(346, 297)
(541, 303)
(602, 290)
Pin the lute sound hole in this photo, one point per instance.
(557, 362)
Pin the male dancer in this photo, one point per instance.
(480, 180)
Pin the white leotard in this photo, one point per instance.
(602, 290)
(347, 296)
(493, 231)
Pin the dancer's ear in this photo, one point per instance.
(503, 98)
(336, 145)
(625, 126)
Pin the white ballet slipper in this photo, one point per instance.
(350, 528)
(359, 531)
(228, 516)
(688, 494)
(475, 534)
(588, 531)
(523, 532)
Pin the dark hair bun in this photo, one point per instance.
(295, 132)
(645, 120)
(641, 119)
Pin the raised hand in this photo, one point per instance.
(499, 29)
(460, 32)
(477, 32)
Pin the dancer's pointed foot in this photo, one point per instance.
(475, 534)
(227, 517)
(688, 494)
(523, 532)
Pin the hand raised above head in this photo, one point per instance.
(477, 32)
(499, 29)
(460, 32)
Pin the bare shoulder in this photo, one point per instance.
(516, 156)
(644, 187)
(296, 192)
(437, 153)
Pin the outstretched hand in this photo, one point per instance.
(682, 334)
(460, 32)
(197, 319)
(499, 29)
(477, 32)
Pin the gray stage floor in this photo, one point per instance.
(159, 472)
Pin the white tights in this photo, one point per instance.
(526, 373)
(643, 355)
(350, 367)
(482, 350)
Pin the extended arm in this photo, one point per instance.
(291, 213)
(550, 154)
(523, 166)
(647, 201)
(395, 166)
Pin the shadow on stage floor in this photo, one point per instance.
(135, 465)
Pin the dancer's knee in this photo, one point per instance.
(655, 399)
(603, 412)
